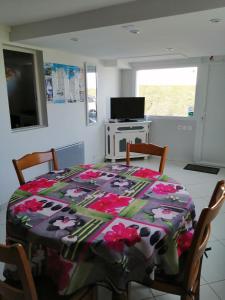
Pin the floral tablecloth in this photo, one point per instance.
(102, 222)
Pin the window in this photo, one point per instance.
(24, 88)
(168, 92)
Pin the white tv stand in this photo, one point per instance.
(118, 134)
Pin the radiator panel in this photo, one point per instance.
(70, 155)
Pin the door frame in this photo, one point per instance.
(202, 92)
(200, 110)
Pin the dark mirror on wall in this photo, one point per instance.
(21, 87)
(91, 93)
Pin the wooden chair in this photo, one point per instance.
(33, 159)
(148, 149)
(15, 255)
(187, 283)
(26, 290)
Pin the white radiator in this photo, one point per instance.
(70, 155)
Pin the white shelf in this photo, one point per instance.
(118, 134)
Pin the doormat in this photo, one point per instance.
(203, 169)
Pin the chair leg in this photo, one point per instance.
(94, 293)
(186, 297)
(197, 292)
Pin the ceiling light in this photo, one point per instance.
(134, 31)
(170, 49)
(215, 20)
(74, 39)
(131, 28)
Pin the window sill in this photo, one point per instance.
(149, 117)
(20, 129)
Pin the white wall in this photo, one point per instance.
(66, 122)
(183, 135)
(178, 133)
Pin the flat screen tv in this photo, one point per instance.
(127, 108)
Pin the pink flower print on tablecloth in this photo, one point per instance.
(146, 173)
(164, 213)
(37, 185)
(90, 175)
(29, 205)
(184, 242)
(120, 236)
(164, 188)
(111, 203)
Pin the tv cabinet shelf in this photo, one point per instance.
(118, 134)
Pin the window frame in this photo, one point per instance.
(41, 105)
(170, 65)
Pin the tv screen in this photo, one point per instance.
(127, 108)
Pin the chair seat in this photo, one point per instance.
(176, 279)
(174, 284)
(168, 284)
(172, 279)
(171, 283)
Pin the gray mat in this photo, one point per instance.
(203, 169)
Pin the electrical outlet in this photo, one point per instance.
(184, 127)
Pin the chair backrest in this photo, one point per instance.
(33, 159)
(148, 149)
(201, 236)
(15, 255)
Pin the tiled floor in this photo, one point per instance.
(200, 186)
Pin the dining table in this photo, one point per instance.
(101, 223)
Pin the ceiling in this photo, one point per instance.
(189, 35)
(14, 12)
(181, 31)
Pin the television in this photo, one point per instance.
(127, 108)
